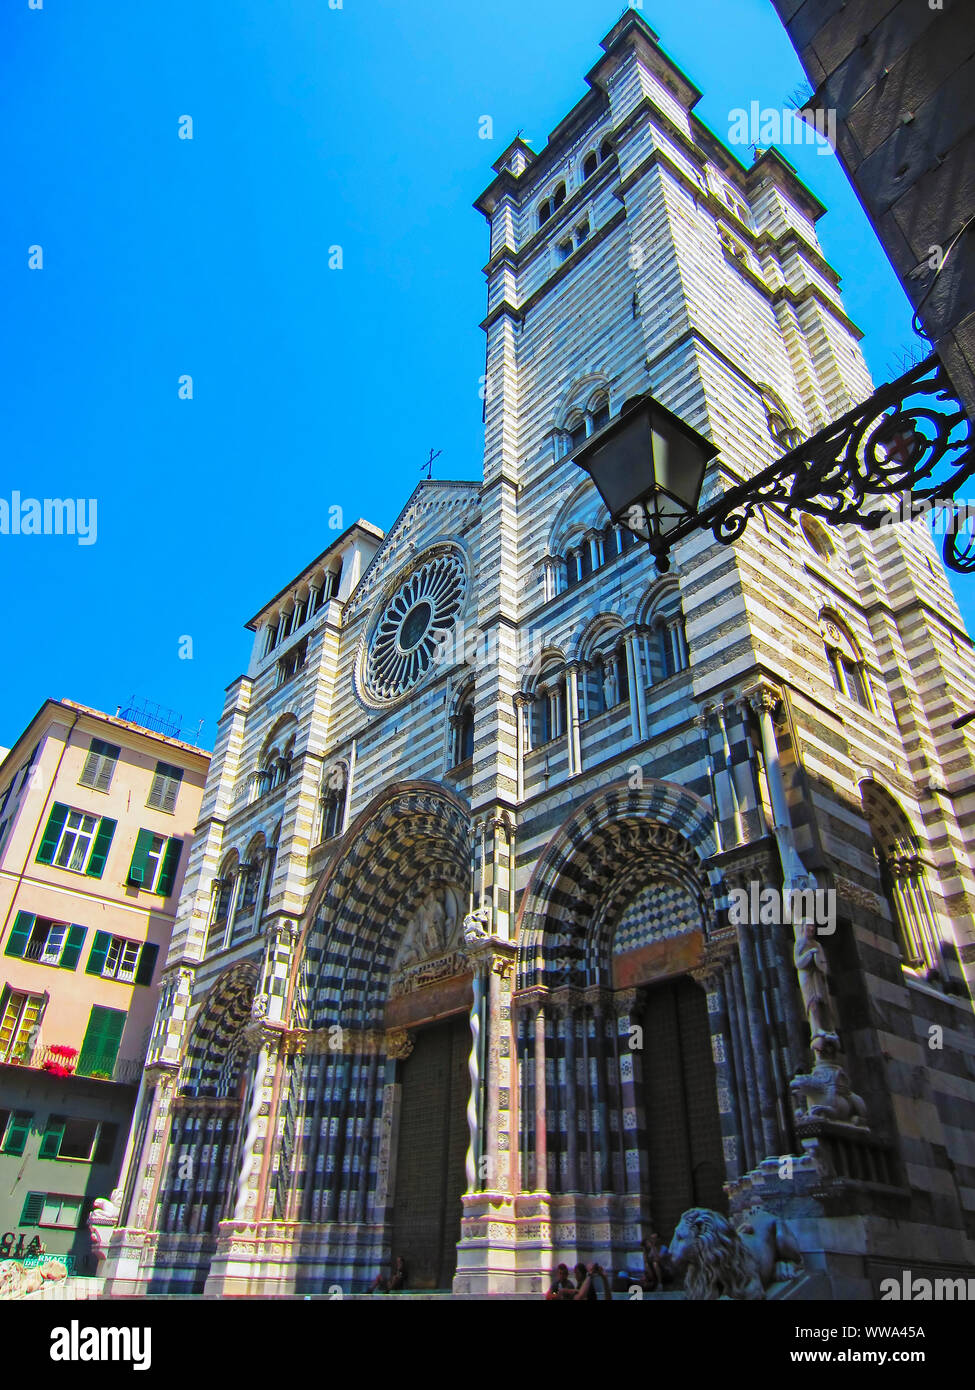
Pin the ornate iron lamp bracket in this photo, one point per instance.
(888, 445)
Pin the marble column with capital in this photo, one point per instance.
(572, 717)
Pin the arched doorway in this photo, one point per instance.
(383, 991)
(618, 920)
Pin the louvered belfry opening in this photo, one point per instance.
(430, 1159)
(683, 1128)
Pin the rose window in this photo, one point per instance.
(412, 626)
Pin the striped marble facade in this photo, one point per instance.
(629, 733)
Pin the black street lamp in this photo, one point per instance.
(649, 466)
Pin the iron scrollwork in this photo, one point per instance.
(888, 445)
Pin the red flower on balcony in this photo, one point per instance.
(60, 1060)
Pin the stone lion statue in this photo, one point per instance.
(772, 1245)
(716, 1260)
(102, 1221)
(827, 1095)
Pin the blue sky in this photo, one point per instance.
(312, 388)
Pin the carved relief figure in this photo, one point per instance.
(432, 929)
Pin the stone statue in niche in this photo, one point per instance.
(813, 972)
(432, 930)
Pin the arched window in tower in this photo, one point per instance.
(582, 423)
(781, 426)
(594, 690)
(599, 412)
(585, 558)
(667, 648)
(845, 661)
(225, 901)
(904, 879)
(332, 801)
(548, 707)
(590, 164)
(558, 197)
(252, 873)
(605, 150)
(576, 431)
(465, 734)
(605, 680)
(544, 212)
(622, 675)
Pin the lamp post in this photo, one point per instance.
(649, 467)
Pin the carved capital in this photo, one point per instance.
(624, 1002)
(531, 999)
(764, 699)
(399, 1044)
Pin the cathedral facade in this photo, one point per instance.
(473, 964)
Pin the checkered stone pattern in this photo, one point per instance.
(276, 973)
(661, 909)
(169, 1028)
(731, 740)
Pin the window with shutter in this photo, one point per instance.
(53, 1134)
(99, 768)
(16, 1131)
(60, 1210)
(78, 1140)
(72, 950)
(139, 868)
(165, 787)
(19, 1022)
(147, 964)
(33, 1209)
(167, 877)
(99, 951)
(99, 1050)
(52, 832)
(20, 934)
(105, 1148)
(99, 853)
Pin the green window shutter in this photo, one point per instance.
(167, 875)
(33, 1209)
(165, 787)
(72, 947)
(139, 868)
(98, 952)
(99, 766)
(17, 1132)
(105, 1148)
(19, 934)
(53, 1134)
(147, 964)
(101, 1044)
(52, 832)
(96, 864)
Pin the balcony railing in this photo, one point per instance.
(66, 1061)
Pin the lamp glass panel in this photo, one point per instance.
(678, 464)
(622, 468)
